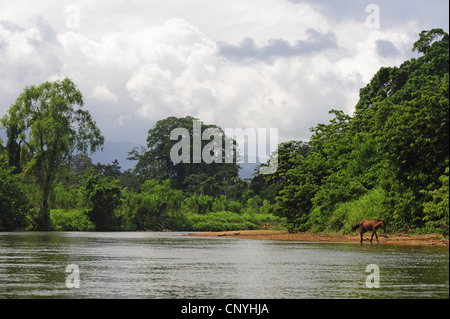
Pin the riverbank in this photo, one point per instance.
(391, 239)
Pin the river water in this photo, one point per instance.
(171, 265)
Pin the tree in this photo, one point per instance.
(150, 208)
(437, 208)
(397, 142)
(289, 154)
(307, 169)
(104, 197)
(155, 162)
(406, 111)
(427, 38)
(14, 205)
(400, 84)
(415, 144)
(13, 148)
(110, 170)
(49, 124)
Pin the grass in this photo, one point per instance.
(78, 220)
(224, 220)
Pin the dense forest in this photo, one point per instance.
(389, 161)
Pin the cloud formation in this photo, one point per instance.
(247, 49)
(102, 93)
(281, 64)
(386, 49)
(26, 54)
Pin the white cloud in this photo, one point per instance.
(138, 63)
(27, 56)
(102, 93)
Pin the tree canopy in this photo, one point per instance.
(45, 126)
(397, 143)
(389, 160)
(193, 176)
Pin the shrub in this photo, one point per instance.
(155, 207)
(437, 208)
(70, 220)
(104, 197)
(14, 205)
(67, 198)
(369, 206)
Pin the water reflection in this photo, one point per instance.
(170, 265)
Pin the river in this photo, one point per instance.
(170, 265)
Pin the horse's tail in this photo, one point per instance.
(355, 227)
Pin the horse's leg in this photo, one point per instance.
(372, 236)
(361, 234)
(375, 232)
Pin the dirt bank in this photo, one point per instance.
(395, 239)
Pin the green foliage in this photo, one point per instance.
(68, 197)
(437, 208)
(149, 209)
(329, 148)
(427, 38)
(216, 221)
(395, 146)
(45, 125)
(348, 213)
(104, 197)
(222, 203)
(415, 143)
(199, 204)
(388, 161)
(154, 162)
(14, 206)
(224, 221)
(70, 220)
(253, 205)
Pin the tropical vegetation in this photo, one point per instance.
(389, 160)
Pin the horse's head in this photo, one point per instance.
(383, 224)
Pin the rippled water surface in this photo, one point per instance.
(171, 265)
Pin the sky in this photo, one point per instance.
(236, 64)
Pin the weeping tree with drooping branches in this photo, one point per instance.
(46, 125)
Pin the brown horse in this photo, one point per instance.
(370, 225)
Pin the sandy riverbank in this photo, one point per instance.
(396, 239)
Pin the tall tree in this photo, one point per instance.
(406, 111)
(155, 162)
(397, 141)
(49, 124)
